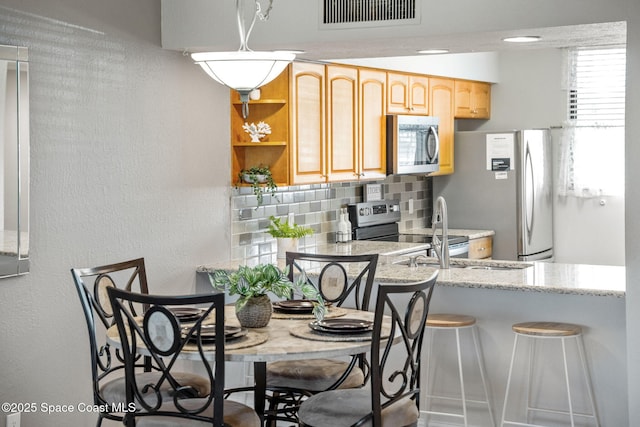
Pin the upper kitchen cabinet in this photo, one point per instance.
(441, 104)
(473, 100)
(372, 148)
(272, 108)
(407, 93)
(353, 147)
(342, 123)
(308, 138)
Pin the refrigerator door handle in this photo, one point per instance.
(529, 194)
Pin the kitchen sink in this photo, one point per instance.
(466, 264)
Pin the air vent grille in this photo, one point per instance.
(347, 11)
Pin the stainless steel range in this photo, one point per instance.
(379, 221)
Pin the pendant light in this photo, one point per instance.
(244, 70)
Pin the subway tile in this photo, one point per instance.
(282, 209)
(287, 198)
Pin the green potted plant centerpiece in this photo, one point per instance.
(261, 181)
(287, 234)
(251, 284)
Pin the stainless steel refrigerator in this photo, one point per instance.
(503, 182)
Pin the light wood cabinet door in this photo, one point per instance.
(342, 123)
(308, 141)
(371, 124)
(481, 248)
(441, 97)
(473, 100)
(407, 94)
(419, 95)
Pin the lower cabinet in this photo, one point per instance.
(480, 248)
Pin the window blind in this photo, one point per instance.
(597, 86)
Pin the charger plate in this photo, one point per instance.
(304, 331)
(331, 313)
(249, 340)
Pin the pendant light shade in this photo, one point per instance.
(244, 70)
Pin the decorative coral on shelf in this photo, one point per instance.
(258, 131)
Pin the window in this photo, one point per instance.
(592, 145)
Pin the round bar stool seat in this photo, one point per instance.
(450, 320)
(557, 331)
(446, 322)
(547, 329)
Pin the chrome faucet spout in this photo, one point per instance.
(441, 246)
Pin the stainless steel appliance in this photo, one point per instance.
(379, 221)
(503, 182)
(412, 144)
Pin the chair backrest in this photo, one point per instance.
(395, 362)
(162, 336)
(92, 284)
(330, 274)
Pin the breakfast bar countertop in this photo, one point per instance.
(545, 277)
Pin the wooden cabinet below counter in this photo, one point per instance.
(480, 248)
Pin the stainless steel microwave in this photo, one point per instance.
(413, 146)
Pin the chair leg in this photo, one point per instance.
(587, 379)
(461, 374)
(529, 389)
(506, 393)
(566, 378)
(483, 375)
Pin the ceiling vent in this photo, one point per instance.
(369, 12)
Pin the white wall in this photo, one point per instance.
(632, 201)
(129, 158)
(482, 66)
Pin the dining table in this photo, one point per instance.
(287, 336)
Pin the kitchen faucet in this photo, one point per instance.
(441, 247)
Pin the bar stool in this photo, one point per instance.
(536, 331)
(457, 323)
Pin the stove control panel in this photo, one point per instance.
(374, 213)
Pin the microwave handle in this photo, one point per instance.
(434, 132)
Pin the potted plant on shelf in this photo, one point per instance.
(287, 234)
(253, 307)
(261, 181)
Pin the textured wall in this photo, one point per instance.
(129, 158)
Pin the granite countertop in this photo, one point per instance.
(471, 234)
(573, 279)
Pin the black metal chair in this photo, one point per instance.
(291, 382)
(161, 335)
(107, 366)
(392, 397)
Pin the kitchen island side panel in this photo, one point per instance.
(603, 321)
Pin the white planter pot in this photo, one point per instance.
(286, 244)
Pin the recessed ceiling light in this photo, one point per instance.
(433, 51)
(521, 39)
